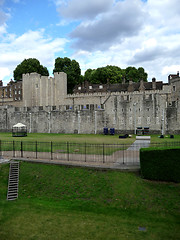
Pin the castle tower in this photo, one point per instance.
(43, 91)
(60, 86)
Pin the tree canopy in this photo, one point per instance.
(28, 66)
(71, 68)
(115, 74)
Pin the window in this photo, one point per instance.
(90, 87)
(79, 88)
(147, 96)
(100, 87)
(148, 120)
(174, 88)
(130, 120)
(125, 98)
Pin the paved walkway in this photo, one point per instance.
(139, 144)
(2, 160)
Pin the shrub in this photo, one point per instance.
(160, 164)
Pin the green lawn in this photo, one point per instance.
(58, 202)
(81, 138)
(73, 138)
(75, 143)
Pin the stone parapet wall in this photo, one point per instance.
(124, 113)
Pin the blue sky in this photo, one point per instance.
(94, 33)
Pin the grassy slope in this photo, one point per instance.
(57, 202)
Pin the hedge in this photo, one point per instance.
(160, 164)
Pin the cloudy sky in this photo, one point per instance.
(96, 33)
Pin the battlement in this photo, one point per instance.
(37, 90)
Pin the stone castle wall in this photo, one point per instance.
(46, 107)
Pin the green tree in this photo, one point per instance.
(113, 74)
(142, 74)
(135, 75)
(71, 68)
(28, 66)
(88, 75)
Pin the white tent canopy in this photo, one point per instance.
(19, 125)
(19, 130)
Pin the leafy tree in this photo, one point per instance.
(71, 68)
(88, 75)
(28, 66)
(131, 74)
(142, 74)
(115, 74)
(103, 74)
(135, 75)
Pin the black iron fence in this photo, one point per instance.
(78, 152)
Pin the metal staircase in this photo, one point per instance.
(13, 183)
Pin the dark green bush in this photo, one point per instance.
(160, 164)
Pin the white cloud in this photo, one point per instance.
(2, 30)
(131, 33)
(124, 19)
(4, 71)
(76, 9)
(104, 32)
(170, 69)
(3, 17)
(32, 44)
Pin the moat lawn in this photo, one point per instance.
(58, 202)
(81, 138)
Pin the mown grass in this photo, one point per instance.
(65, 147)
(75, 143)
(82, 138)
(72, 138)
(58, 202)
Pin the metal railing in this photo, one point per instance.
(77, 152)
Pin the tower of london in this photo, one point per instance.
(42, 103)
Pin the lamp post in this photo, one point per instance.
(49, 122)
(30, 122)
(134, 118)
(95, 122)
(162, 130)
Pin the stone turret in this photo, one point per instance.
(130, 87)
(60, 85)
(141, 87)
(43, 91)
(154, 83)
(173, 76)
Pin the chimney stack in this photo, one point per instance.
(154, 83)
